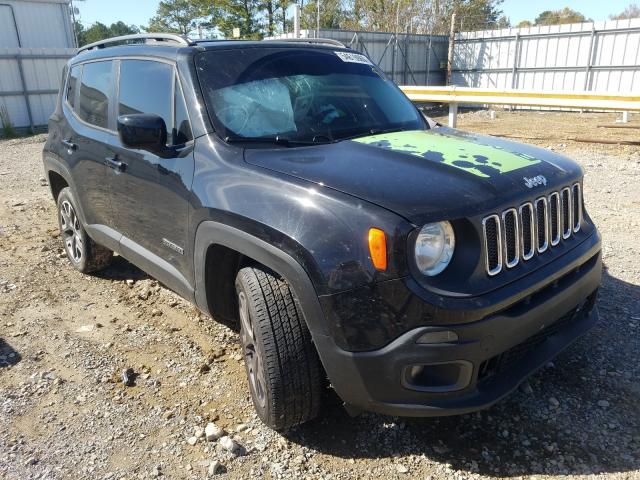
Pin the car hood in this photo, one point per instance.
(426, 175)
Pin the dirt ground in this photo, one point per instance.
(66, 337)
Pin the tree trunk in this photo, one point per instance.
(270, 17)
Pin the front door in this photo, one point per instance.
(149, 193)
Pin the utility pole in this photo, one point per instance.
(73, 19)
(317, 18)
(394, 52)
(452, 42)
(296, 21)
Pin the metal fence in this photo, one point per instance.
(29, 82)
(600, 56)
(407, 59)
(30, 75)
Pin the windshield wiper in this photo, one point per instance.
(373, 131)
(278, 140)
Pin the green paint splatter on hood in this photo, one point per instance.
(467, 154)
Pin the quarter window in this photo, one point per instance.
(72, 84)
(146, 87)
(95, 90)
(182, 130)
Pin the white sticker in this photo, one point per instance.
(353, 58)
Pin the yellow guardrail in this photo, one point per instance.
(529, 98)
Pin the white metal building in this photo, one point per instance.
(36, 39)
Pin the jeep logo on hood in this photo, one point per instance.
(535, 181)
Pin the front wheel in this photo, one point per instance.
(283, 368)
(84, 254)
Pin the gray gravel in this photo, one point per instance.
(65, 340)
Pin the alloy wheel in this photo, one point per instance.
(251, 355)
(71, 231)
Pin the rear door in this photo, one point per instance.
(150, 194)
(84, 135)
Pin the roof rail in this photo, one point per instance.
(145, 37)
(319, 41)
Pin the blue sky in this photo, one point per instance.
(138, 12)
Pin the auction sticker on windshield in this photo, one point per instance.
(353, 58)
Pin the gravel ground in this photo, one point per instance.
(65, 339)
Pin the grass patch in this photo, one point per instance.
(8, 130)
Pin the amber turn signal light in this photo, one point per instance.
(378, 248)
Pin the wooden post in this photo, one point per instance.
(452, 41)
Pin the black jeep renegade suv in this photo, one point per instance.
(292, 188)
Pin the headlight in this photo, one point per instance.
(434, 248)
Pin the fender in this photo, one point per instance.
(52, 163)
(212, 233)
(345, 380)
(344, 377)
(101, 234)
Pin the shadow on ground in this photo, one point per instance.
(523, 434)
(121, 270)
(8, 356)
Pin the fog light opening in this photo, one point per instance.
(438, 377)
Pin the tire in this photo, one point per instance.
(283, 368)
(84, 254)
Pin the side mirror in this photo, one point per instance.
(143, 131)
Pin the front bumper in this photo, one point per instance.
(487, 359)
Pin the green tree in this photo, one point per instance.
(425, 16)
(99, 31)
(176, 16)
(632, 11)
(524, 23)
(560, 17)
(282, 16)
(225, 15)
(120, 28)
(79, 30)
(479, 15)
(270, 8)
(332, 14)
(258, 18)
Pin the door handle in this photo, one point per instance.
(69, 144)
(114, 163)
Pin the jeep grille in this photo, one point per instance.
(517, 234)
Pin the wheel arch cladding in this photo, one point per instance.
(235, 248)
(221, 266)
(56, 182)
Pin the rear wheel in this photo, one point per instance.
(84, 254)
(283, 369)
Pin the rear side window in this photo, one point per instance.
(72, 84)
(95, 90)
(146, 87)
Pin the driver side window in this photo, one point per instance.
(146, 86)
